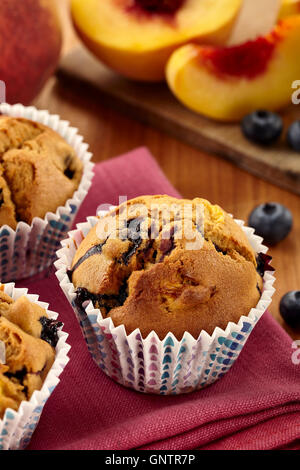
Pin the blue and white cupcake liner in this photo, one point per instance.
(152, 365)
(17, 427)
(31, 248)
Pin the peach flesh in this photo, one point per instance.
(228, 83)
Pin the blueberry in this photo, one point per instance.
(262, 127)
(263, 264)
(50, 330)
(290, 308)
(293, 136)
(272, 221)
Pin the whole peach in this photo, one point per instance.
(30, 44)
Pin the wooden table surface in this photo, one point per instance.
(192, 172)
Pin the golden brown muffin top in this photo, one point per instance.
(196, 269)
(39, 171)
(27, 341)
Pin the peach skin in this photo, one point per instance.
(226, 83)
(30, 43)
(136, 37)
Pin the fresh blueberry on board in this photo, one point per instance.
(293, 136)
(290, 308)
(262, 127)
(272, 221)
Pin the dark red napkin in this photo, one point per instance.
(256, 405)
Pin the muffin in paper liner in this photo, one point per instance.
(17, 427)
(31, 248)
(151, 365)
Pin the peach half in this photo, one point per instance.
(226, 83)
(289, 8)
(136, 37)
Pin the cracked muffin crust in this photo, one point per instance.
(39, 171)
(27, 341)
(156, 282)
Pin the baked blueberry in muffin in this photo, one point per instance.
(168, 265)
(39, 171)
(27, 341)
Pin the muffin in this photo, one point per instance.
(45, 174)
(39, 171)
(27, 349)
(166, 304)
(145, 274)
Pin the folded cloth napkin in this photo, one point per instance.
(256, 405)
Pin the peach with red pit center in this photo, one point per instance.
(229, 82)
(136, 37)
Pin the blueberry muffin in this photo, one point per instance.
(39, 171)
(143, 271)
(27, 341)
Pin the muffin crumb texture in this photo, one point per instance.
(159, 284)
(39, 171)
(26, 349)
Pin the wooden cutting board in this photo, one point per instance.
(154, 104)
